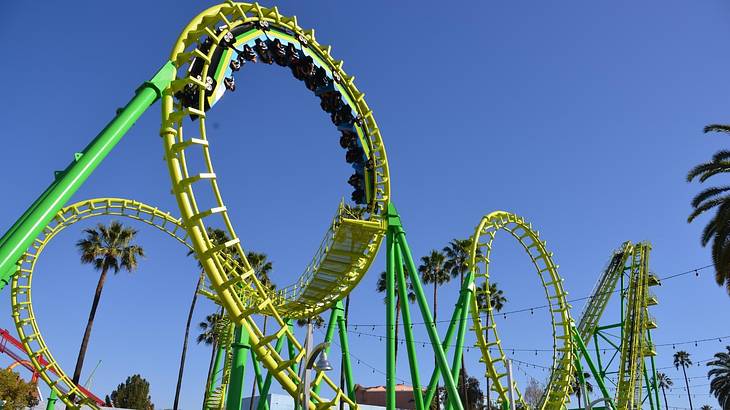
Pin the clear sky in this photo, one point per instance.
(584, 117)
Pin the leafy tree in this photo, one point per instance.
(106, 248)
(720, 375)
(469, 392)
(381, 287)
(681, 358)
(576, 389)
(433, 271)
(16, 392)
(717, 229)
(496, 300)
(664, 382)
(533, 393)
(134, 393)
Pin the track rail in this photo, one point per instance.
(213, 46)
(23, 314)
(558, 387)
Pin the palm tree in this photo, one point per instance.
(576, 388)
(720, 374)
(717, 229)
(107, 248)
(181, 369)
(217, 236)
(381, 287)
(458, 253)
(433, 271)
(209, 336)
(469, 392)
(665, 382)
(706, 407)
(681, 358)
(261, 267)
(457, 257)
(497, 301)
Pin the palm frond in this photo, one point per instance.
(717, 128)
(707, 194)
(706, 206)
(707, 169)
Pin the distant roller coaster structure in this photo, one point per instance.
(201, 69)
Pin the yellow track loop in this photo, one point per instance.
(21, 298)
(215, 23)
(557, 388)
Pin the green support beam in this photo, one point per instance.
(435, 376)
(465, 297)
(408, 330)
(597, 376)
(390, 367)
(24, 231)
(238, 369)
(264, 404)
(397, 236)
(52, 398)
(345, 347)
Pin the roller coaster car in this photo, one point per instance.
(331, 101)
(354, 155)
(248, 53)
(230, 83)
(358, 196)
(304, 68)
(348, 139)
(318, 80)
(343, 115)
(356, 180)
(237, 63)
(263, 51)
(228, 39)
(292, 56)
(279, 52)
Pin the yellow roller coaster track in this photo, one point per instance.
(635, 345)
(488, 341)
(350, 245)
(21, 293)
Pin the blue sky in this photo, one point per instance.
(583, 117)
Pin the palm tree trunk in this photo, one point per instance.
(666, 406)
(185, 344)
(435, 362)
(87, 332)
(686, 382)
(489, 392)
(577, 396)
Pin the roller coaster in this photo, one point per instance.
(200, 71)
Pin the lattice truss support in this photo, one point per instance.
(622, 362)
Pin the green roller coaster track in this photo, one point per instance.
(210, 50)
